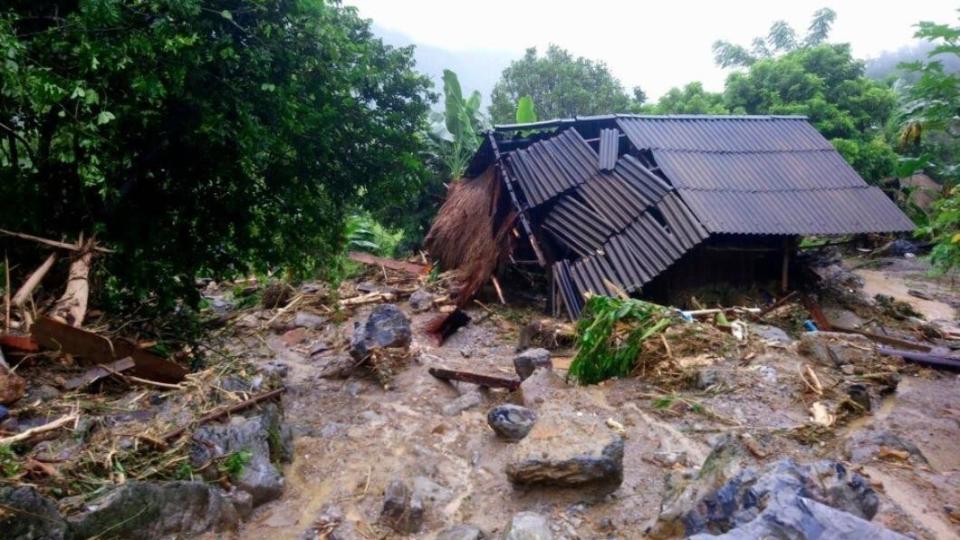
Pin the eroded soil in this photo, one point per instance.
(354, 436)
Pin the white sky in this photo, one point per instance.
(653, 44)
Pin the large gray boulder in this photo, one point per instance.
(148, 510)
(264, 437)
(783, 499)
(568, 451)
(386, 327)
(28, 515)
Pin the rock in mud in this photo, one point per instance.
(467, 400)
(12, 386)
(386, 327)
(29, 515)
(264, 437)
(540, 387)
(863, 446)
(568, 451)
(306, 319)
(462, 532)
(421, 300)
(528, 526)
(512, 422)
(150, 510)
(780, 500)
(836, 349)
(529, 360)
(402, 508)
(770, 333)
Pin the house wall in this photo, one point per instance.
(723, 269)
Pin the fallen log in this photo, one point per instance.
(25, 290)
(24, 435)
(223, 411)
(886, 340)
(393, 264)
(942, 361)
(475, 378)
(94, 374)
(95, 348)
(71, 308)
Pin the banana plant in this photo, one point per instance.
(457, 131)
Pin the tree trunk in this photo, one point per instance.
(72, 306)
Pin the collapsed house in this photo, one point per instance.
(646, 204)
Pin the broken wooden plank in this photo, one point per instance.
(393, 264)
(817, 314)
(92, 347)
(475, 378)
(763, 313)
(943, 361)
(369, 298)
(886, 340)
(223, 411)
(96, 373)
(20, 343)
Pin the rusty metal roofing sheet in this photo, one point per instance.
(609, 148)
(837, 211)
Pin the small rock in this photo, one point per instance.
(467, 400)
(242, 502)
(859, 395)
(770, 333)
(402, 509)
(863, 446)
(462, 532)
(568, 451)
(421, 300)
(275, 369)
(466, 353)
(529, 360)
(29, 515)
(331, 525)
(306, 319)
(386, 327)
(528, 526)
(429, 491)
(337, 366)
(512, 422)
(540, 387)
(707, 377)
(12, 386)
(670, 459)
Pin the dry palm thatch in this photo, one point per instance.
(471, 232)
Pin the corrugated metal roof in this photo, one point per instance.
(723, 133)
(548, 168)
(836, 211)
(609, 148)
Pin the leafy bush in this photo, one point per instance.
(203, 136)
(609, 336)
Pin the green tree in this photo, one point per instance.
(214, 136)
(826, 84)
(457, 131)
(691, 99)
(781, 38)
(930, 137)
(561, 86)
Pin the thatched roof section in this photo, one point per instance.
(469, 233)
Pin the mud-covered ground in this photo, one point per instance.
(354, 436)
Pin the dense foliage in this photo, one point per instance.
(930, 134)
(212, 136)
(781, 38)
(561, 86)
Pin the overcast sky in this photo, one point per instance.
(656, 45)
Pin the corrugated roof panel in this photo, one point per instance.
(723, 133)
(759, 171)
(609, 147)
(837, 211)
(550, 167)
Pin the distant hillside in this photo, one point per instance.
(477, 69)
(886, 64)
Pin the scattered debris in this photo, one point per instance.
(475, 378)
(402, 508)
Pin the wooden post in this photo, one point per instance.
(785, 271)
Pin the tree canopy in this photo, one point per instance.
(560, 85)
(781, 38)
(217, 136)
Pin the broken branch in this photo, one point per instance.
(24, 435)
(223, 411)
(53, 243)
(35, 278)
